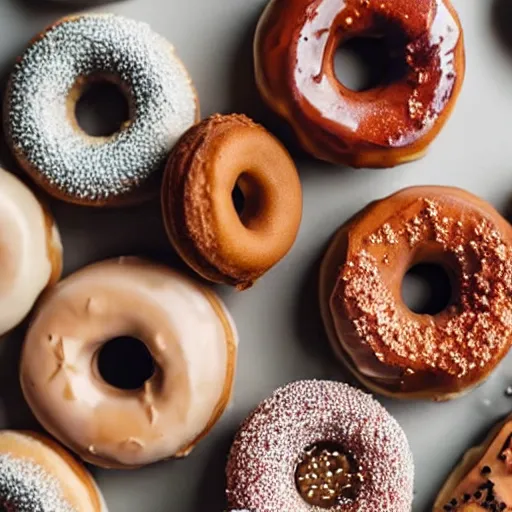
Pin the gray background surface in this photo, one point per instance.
(278, 321)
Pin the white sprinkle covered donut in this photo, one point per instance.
(52, 75)
(38, 475)
(316, 446)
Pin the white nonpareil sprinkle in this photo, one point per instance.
(27, 487)
(37, 114)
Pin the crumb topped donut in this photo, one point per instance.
(51, 76)
(38, 475)
(220, 243)
(389, 124)
(483, 479)
(392, 349)
(30, 250)
(319, 445)
(183, 325)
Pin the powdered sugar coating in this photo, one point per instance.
(27, 487)
(264, 455)
(41, 129)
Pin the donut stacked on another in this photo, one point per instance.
(51, 76)
(30, 250)
(212, 159)
(189, 335)
(389, 124)
(38, 475)
(391, 349)
(483, 480)
(318, 445)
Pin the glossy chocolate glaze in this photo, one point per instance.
(294, 53)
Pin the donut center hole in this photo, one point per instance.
(427, 289)
(238, 199)
(365, 63)
(125, 363)
(327, 475)
(102, 109)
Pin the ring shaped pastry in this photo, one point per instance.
(30, 250)
(202, 222)
(391, 349)
(380, 127)
(52, 75)
(318, 445)
(185, 328)
(482, 481)
(37, 474)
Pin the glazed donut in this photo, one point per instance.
(392, 350)
(184, 326)
(51, 76)
(38, 475)
(318, 445)
(482, 481)
(30, 250)
(380, 127)
(207, 164)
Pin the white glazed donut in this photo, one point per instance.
(52, 75)
(184, 326)
(38, 475)
(30, 251)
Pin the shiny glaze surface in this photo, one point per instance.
(184, 326)
(294, 49)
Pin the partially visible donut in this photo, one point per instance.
(38, 475)
(188, 333)
(51, 76)
(30, 250)
(318, 445)
(209, 162)
(394, 122)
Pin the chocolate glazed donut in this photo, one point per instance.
(381, 127)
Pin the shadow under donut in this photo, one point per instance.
(501, 19)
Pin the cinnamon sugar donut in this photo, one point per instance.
(30, 250)
(381, 127)
(183, 325)
(51, 76)
(38, 475)
(391, 349)
(483, 480)
(318, 445)
(211, 159)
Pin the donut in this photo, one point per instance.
(392, 350)
(384, 126)
(185, 328)
(30, 250)
(38, 475)
(210, 161)
(319, 445)
(49, 79)
(482, 481)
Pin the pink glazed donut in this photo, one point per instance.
(316, 446)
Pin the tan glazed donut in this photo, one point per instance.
(37, 474)
(30, 250)
(219, 243)
(185, 327)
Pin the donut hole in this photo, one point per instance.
(327, 474)
(365, 63)
(238, 199)
(102, 108)
(249, 200)
(427, 288)
(125, 363)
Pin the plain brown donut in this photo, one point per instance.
(211, 159)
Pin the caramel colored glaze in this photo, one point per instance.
(483, 480)
(201, 221)
(78, 486)
(185, 327)
(391, 124)
(389, 348)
